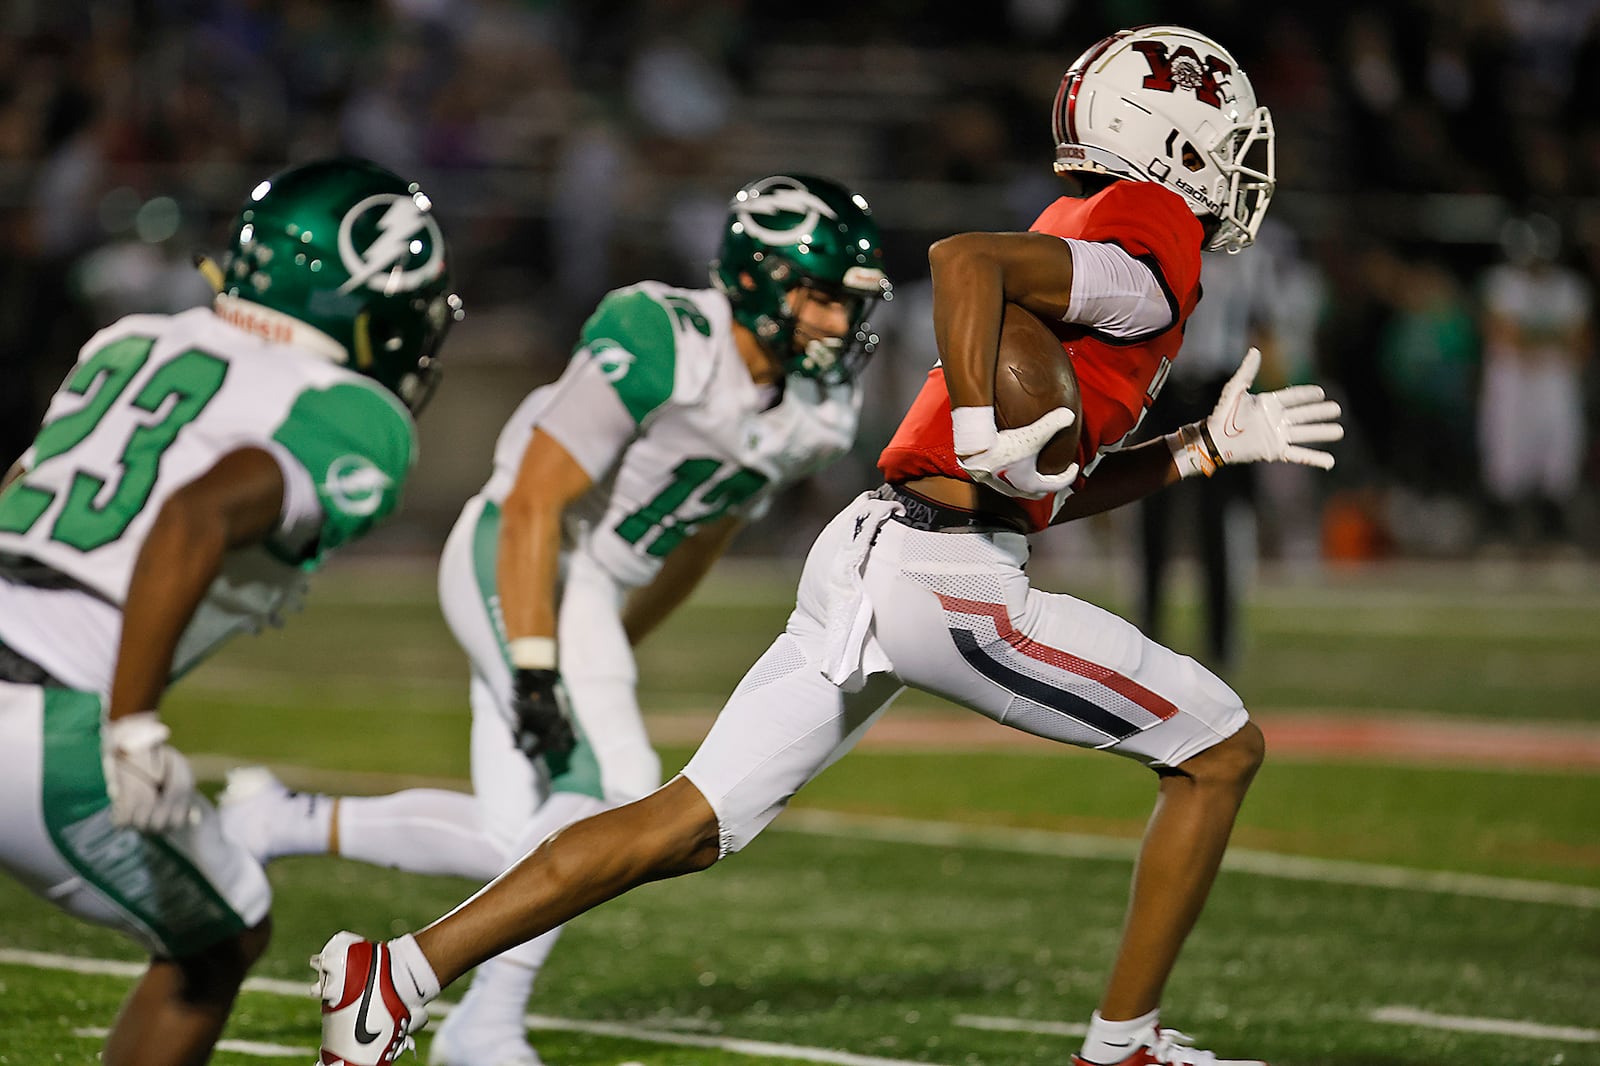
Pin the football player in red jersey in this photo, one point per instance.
(920, 583)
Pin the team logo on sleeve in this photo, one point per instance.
(390, 243)
(355, 486)
(613, 360)
(780, 211)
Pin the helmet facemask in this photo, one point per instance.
(791, 239)
(1246, 156)
(832, 360)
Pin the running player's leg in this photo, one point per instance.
(613, 763)
(422, 830)
(783, 725)
(957, 617)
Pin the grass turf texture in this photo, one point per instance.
(879, 948)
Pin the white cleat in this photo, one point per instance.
(249, 805)
(1165, 1047)
(367, 1016)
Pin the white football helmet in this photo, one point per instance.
(1169, 105)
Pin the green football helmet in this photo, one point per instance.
(354, 251)
(792, 230)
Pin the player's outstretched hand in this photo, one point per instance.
(149, 781)
(1252, 427)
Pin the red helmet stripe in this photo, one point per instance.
(1066, 118)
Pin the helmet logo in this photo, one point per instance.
(1183, 69)
(406, 254)
(781, 195)
(355, 486)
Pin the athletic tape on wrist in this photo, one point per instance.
(972, 429)
(532, 653)
(1191, 451)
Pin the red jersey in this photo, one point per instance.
(1118, 379)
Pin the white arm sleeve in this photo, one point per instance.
(301, 517)
(587, 417)
(1115, 294)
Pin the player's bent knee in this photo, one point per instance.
(1233, 762)
(217, 971)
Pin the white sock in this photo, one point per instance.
(501, 987)
(1110, 1042)
(498, 996)
(410, 962)
(298, 825)
(420, 830)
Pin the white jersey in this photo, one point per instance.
(152, 404)
(659, 409)
(1548, 308)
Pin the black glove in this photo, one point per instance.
(544, 723)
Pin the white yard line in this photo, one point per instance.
(754, 1048)
(302, 990)
(44, 960)
(1020, 1025)
(242, 1047)
(1241, 860)
(757, 1048)
(1493, 1026)
(1036, 842)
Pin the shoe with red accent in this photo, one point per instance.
(367, 1016)
(1165, 1047)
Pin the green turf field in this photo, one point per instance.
(961, 908)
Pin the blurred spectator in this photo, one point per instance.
(582, 145)
(1427, 355)
(1538, 330)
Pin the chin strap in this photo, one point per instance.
(211, 272)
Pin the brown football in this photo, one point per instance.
(1033, 376)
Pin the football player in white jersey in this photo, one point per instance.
(614, 489)
(190, 473)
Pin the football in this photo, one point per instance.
(1033, 376)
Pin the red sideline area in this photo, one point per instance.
(1398, 737)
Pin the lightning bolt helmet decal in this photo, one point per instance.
(345, 259)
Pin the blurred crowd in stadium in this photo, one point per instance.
(1438, 164)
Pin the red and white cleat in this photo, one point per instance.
(367, 1016)
(1165, 1047)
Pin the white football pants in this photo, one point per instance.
(882, 606)
(614, 762)
(176, 893)
(1530, 429)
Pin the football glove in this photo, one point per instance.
(1006, 460)
(543, 723)
(1249, 427)
(149, 781)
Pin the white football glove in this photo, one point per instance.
(1250, 427)
(1007, 460)
(149, 781)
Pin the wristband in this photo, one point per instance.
(1192, 451)
(972, 429)
(532, 653)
